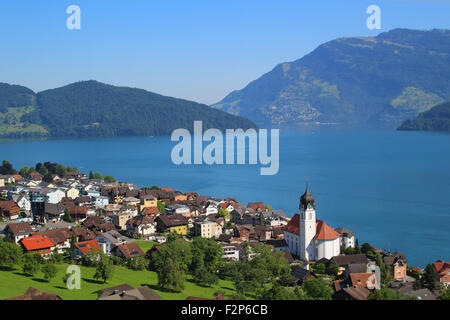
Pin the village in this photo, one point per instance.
(76, 215)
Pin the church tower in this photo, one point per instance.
(307, 226)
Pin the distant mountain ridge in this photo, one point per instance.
(435, 119)
(377, 81)
(94, 109)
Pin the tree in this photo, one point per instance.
(137, 263)
(91, 175)
(48, 177)
(268, 207)
(49, 270)
(173, 256)
(318, 289)
(161, 206)
(31, 264)
(388, 294)
(277, 292)
(224, 214)
(10, 254)
(429, 277)
(104, 269)
(67, 217)
(171, 276)
(385, 270)
(109, 179)
(318, 268)
(7, 168)
(333, 269)
(444, 294)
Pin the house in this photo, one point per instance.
(300, 275)
(207, 229)
(343, 261)
(35, 176)
(79, 249)
(263, 232)
(398, 267)
(36, 294)
(353, 293)
(23, 203)
(178, 209)
(83, 234)
(172, 223)
(37, 244)
(243, 216)
(53, 195)
(230, 251)
(442, 272)
(121, 218)
(2, 181)
(60, 237)
(72, 193)
(78, 213)
(148, 201)
(277, 244)
(53, 212)
(243, 231)
(153, 211)
(108, 240)
(131, 201)
(18, 231)
(257, 206)
(9, 210)
(275, 218)
(101, 201)
(128, 250)
(421, 294)
(366, 280)
(347, 238)
(141, 225)
(127, 292)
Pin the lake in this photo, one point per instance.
(391, 188)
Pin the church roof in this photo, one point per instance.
(323, 231)
(306, 199)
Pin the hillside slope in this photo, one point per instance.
(435, 119)
(94, 109)
(378, 81)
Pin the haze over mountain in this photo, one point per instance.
(370, 81)
(94, 109)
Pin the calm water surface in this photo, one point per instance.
(392, 188)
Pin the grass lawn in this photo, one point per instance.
(14, 283)
(145, 245)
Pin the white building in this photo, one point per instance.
(347, 237)
(207, 229)
(308, 238)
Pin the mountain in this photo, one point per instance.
(94, 109)
(435, 119)
(376, 81)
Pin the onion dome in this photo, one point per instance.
(307, 201)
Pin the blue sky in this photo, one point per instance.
(194, 49)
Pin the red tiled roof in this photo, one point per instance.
(37, 243)
(323, 231)
(359, 279)
(150, 210)
(441, 266)
(257, 205)
(87, 246)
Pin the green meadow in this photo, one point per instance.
(14, 283)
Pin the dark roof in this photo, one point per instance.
(301, 273)
(21, 228)
(345, 232)
(130, 250)
(357, 268)
(277, 243)
(357, 292)
(173, 220)
(113, 290)
(344, 260)
(422, 294)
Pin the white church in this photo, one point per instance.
(308, 238)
